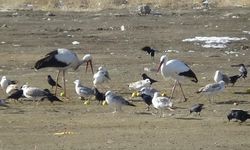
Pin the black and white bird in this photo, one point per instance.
(211, 89)
(16, 95)
(147, 94)
(37, 94)
(116, 101)
(63, 59)
(101, 76)
(243, 71)
(238, 114)
(177, 70)
(99, 95)
(6, 82)
(218, 76)
(196, 108)
(145, 76)
(149, 51)
(52, 82)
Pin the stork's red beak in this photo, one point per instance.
(89, 62)
(159, 67)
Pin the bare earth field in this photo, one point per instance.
(27, 36)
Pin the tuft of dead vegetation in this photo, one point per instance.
(93, 5)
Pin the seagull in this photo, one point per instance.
(149, 50)
(83, 91)
(161, 102)
(196, 108)
(63, 59)
(145, 76)
(238, 114)
(16, 95)
(98, 95)
(101, 76)
(6, 82)
(11, 89)
(52, 82)
(38, 94)
(243, 70)
(139, 84)
(212, 89)
(218, 76)
(176, 70)
(116, 101)
(148, 91)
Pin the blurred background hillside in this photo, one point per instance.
(95, 5)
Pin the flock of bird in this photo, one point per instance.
(64, 59)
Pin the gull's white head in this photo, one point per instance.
(108, 93)
(221, 82)
(25, 86)
(77, 82)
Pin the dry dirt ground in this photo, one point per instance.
(27, 36)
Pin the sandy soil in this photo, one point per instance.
(26, 36)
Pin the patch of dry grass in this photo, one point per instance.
(86, 5)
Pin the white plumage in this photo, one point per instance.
(212, 89)
(139, 84)
(161, 103)
(6, 82)
(11, 89)
(148, 91)
(63, 59)
(219, 76)
(116, 101)
(101, 76)
(83, 91)
(177, 70)
(33, 93)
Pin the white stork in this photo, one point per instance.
(63, 59)
(176, 70)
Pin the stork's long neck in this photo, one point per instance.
(78, 64)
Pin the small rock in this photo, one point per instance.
(75, 43)
(144, 10)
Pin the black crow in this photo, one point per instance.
(149, 50)
(243, 70)
(52, 82)
(145, 76)
(147, 99)
(51, 97)
(98, 95)
(238, 115)
(233, 79)
(196, 108)
(16, 95)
